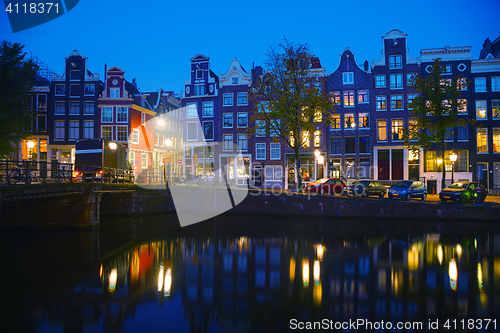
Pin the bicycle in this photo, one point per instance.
(19, 175)
(62, 174)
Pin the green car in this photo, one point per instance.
(365, 188)
(462, 191)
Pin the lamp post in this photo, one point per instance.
(30, 144)
(316, 155)
(453, 158)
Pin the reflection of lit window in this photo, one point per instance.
(453, 273)
(167, 283)
(305, 272)
(112, 279)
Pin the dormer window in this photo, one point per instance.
(235, 80)
(199, 74)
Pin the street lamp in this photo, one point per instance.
(453, 158)
(30, 144)
(316, 154)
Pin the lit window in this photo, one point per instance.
(363, 96)
(462, 106)
(335, 122)
(227, 120)
(336, 97)
(462, 83)
(121, 133)
(305, 139)
(364, 120)
(107, 133)
(496, 140)
(318, 116)
(317, 138)
(379, 81)
(381, 103)
(412, 124)
(396, 102)
(495, 109)
(396, 81)
(382, 130)
(349, 122)
(480, 83)
(482, 140)
(192, 110)
(348, 78)
(348, 98)
(395, 61)
(397, 129)
(481, 110)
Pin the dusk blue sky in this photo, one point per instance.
(153, 41)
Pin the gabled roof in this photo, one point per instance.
(115, 69)
(199, 57)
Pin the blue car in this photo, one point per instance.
(408, 189)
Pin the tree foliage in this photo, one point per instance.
(436, 109)
(16, 82)
(289, 96)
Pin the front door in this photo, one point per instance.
(257, 176)
(482, 175)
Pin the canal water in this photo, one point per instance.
(252, 274)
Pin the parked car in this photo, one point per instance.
(366, 188)
(462, 191)
(408, 189)
(330, 186)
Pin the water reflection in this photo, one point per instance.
(249, 283)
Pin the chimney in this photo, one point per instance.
(365, 65)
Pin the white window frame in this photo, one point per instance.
(135, 136)
(238, 97)
(478, 87)
(495, 83)
(190, 107)
(61, 129)
(379, 78)
(485, 109)
(126, 114)
(347, 93)
(71, 104)
(395, 85)
(114, 93)
(74, 132)
(275, 147)
(87, 128)
(495, 103)
(365, 93)
(274, 169)
(240, 140)
(348, 78)
(227, 140)
(260, 131)
(86, 103)
(486, 135)
(63, 108)
(260, 147)
(227, 95)
(187, 130)
(399, 99)
(238, 119)
(396, 66)
(224, 115)
(144, 160)
(143, 118)
(102, 114)
(378, 131)
(213, 129)
(118, 132)
(111, 132)
(384, 99)
(210, 114)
